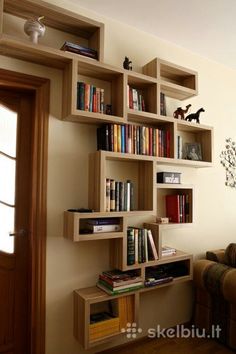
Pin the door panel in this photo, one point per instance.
(15, 195)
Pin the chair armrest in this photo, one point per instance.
(216, 255)
(199, 267)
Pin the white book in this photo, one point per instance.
(103, 228)
(136, 244)
(146, 244)
(128, 195)
(153, 246)
(135, 99)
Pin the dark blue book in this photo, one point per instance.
(122, 138)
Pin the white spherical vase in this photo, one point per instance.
(34, 29)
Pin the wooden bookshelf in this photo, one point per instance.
(158, 76)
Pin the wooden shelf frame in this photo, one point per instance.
(144, 188)
(54, 17)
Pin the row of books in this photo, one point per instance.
(119, 195)
(134, 139)
(116, 282)
(90, 98)
(135, 99)
(177, 208)
(140, 246)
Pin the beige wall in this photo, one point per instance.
(71, 266)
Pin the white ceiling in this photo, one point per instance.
(206, 27)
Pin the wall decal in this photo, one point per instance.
(228, 160)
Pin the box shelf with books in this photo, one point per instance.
(93, 92)
(93, 226)
(194, 137)
(99, 317)
(137, 170)
(61, 25)
(141, 94)
(176, 202)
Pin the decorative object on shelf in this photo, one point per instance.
(195, 116)
(34, 28)
(109, 109)
(162, 220)
(168, 177)
(193, 151)
(228, 160)
(78, 49)
(127, 64)
(179, 112)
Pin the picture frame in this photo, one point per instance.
(193, 151)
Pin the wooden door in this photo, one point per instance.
(16, 124)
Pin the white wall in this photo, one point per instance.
(71, 266)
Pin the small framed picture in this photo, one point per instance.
(193, 151)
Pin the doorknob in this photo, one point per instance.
(18, 233)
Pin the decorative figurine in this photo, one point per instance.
(127, 64)
(109, 109)
(34, 29)
(180, 111)
(195, 116)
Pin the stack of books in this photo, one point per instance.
(177, 208)
(119, 195)
(168, 251)
(115, 282)
(90, 98)
(78, 49)
(101, 225)
(157, 275)
(134, 139)
(140, 246)
(135, 99)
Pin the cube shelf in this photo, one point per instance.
(121, 167)
(61, 25)
(75, 228)
(164, 189)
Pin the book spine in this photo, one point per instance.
(108, 194)
(131, 196)
(115, 138)
(117, 195)
(102, 101)
(121, 196)
(87, 97)
(130, 247)
(112, 195)
(128, 183)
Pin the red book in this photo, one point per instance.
(131, 103)
(150, 142)
(173, 208)
(167, 143)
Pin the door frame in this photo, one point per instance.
(41, 88)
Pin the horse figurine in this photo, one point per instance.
(180, 111)
(195, 116)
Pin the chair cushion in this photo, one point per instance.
(230, 255)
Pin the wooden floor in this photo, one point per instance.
(172, 346)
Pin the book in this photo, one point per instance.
(78, 49)
(117, 292)
(155, 282)
(103, 228)
(116, 274)
(120, 287)
(130, 246)
(152, 251)
(103, 221)
(119, 282)
(173, 208)
(168, 251)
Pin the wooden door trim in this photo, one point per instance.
(41, 88)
